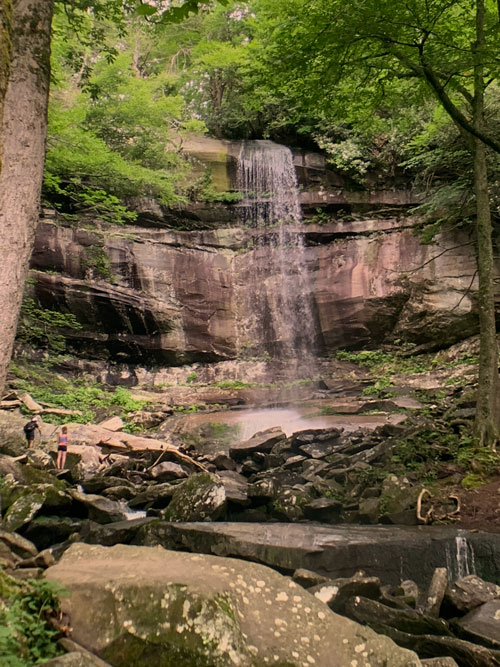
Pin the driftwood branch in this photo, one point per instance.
(431, 515)
(465, 293)
(179, 455)
(428, 515)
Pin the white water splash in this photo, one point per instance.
(462, 563)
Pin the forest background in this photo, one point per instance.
(400, 92)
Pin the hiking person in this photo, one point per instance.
(62, 448)
(29, 430)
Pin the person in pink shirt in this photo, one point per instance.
(62, 447)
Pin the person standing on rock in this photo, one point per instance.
(62, 448)
(30, 428)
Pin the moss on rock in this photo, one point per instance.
(202, 497)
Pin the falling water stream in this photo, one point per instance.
(282, 319)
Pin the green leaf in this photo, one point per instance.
(145, 10)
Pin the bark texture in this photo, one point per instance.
(488, 393)
(23, 131)
(5, 55)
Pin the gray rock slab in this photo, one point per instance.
(119, 532)
(168, 471)
(150, 604)
(484, 621)
(100, 509)
(392, 553)
(235, 485)
(261, 442)
(470, 592)
(18, 544)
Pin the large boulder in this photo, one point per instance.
(481, 624)
(31, 500)
(469, 592)
(151, 606)
(202, 497)
(99, 509)
(263, 441)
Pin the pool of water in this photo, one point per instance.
(289, 419)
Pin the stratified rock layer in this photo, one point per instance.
(179, 297)
(150, 293)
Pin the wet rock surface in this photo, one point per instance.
(197, 317)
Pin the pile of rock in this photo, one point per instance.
(311, 475)
(458, 620)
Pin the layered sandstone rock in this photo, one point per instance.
(181, 297)
(150, 293)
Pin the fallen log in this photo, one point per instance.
(183, 457)
(61, 411)
(8, 405)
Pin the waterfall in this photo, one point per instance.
(266, 177)
(463, 563)
(282, 321)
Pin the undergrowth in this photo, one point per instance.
(26, 637)
(47, 387)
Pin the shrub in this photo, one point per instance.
(25, 636)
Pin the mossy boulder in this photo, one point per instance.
(30, 500)
(398, 500)
(23, 509)
(10, 490)
(290, 503)
(202, 497)
(167, 608)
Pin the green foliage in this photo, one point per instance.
(44, 328)
(379, 389)
(427, 448)
(97, 263)
(44, 385)
(192, 377)
(368, 358)
(378, 360)
(483, 459)
(233, 384)
(319, 218)
(25, 635)
(472, 481)
(87, 200)
(189, 409)
(203, 189)
(113, 133)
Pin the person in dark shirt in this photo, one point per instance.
(30, 429)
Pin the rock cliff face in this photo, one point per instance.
(152, 294)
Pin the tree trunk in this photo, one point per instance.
(5, 56)
(488, 393)
(487, 424)
(23, 131)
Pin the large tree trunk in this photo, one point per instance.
(487, 425)
(5, 56)
(23, 131)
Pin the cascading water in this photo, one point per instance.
(282, 321)
(462, 563)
